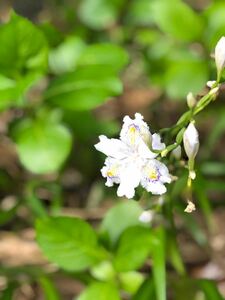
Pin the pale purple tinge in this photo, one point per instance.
(131, 161)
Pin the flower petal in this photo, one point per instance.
(154, 175)
(144, 151)
(156, 142)
(112, 147)
(135, 129)
(129, 179)
(111, 171)
(156, 188)
(191, 141)
(220, 55)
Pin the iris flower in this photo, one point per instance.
(131, 160)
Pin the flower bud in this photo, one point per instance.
(191, 101)
(220, 56)
(190, 207)
(214, 91)
(211, 83)
(191, 141)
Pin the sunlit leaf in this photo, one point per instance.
(69, 242)
(120, 217)
(42, 145)
(100, 291)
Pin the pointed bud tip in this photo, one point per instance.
(220, 56)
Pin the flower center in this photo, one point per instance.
(112, 171)
(152, 174)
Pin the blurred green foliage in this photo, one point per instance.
(54, 76)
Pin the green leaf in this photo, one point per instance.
(210, 289)
(64, 58)
(48, 288)
(99, 14)
(120, 217)
(103, 271)
(84, 89)
(131, 281)
(25, 47)
(42, 145)
(159, 265)
(178, 20)
(69, 242)
(140, 13)
(180, 80)
(107, 55)
(100, 291)
(215, 26)
(146, 291)
(133, 248)
(12, 91)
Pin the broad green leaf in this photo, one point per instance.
(12, 92)
(71, 243)
(133, 248)
(42, 145)
(99, 14)
(107, 55)
(215, 26)
(64, 58)
(140, 12)
(177, 19)
(180, 81)
(100, 291)
(83, 89)
(25, 47)
(131, 281)
(120, 217)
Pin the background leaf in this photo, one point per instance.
(177, 19)
(83, 89)
(69, 242)
(133, 248)
(120, 217)
(42, 146)
(100, 291)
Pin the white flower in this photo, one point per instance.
(191, 141)
(220, 55)
(154, 175)
(128, 156)
(146, 216)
